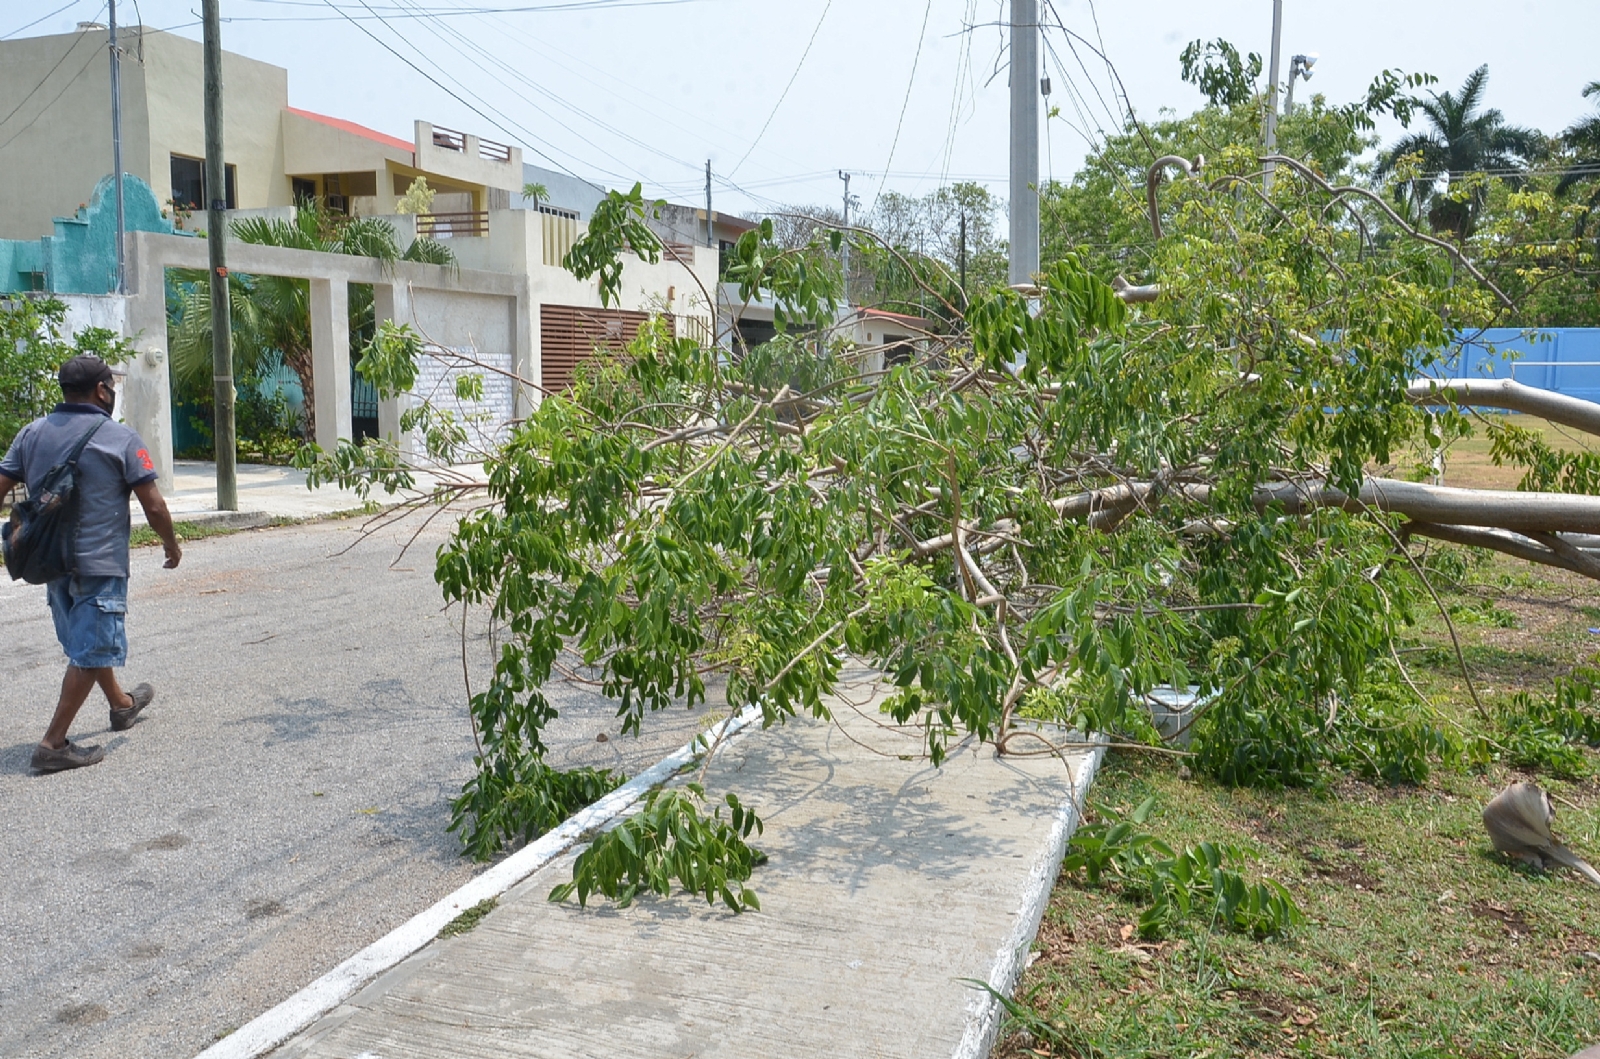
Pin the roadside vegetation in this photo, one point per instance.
(1418, 940)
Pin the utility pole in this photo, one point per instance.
(216, 192)
(1272, 90)
(1025, 87)
(711, 236)
(116, 153)
(844, 175)
(962, 258)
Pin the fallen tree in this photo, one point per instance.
(1059, 505)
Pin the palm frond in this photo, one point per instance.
(429, 251)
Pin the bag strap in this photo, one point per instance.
(77, 450)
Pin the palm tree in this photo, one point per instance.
(1464, 139)
(271, 315)
(1582, 138)
(537, 193)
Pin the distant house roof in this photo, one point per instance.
(359, 130)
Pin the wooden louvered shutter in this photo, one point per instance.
(569, 334)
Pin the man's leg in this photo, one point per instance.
(116, 698)
(75, 688)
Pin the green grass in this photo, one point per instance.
(469, 919)
(1420, 940)
(145, 537)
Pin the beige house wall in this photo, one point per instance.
(57, 146)
(252, 142)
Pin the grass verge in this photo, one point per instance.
(1420, 940)
(145, 537)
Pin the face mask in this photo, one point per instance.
(111, 405)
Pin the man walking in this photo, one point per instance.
(90, 604)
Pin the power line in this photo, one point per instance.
(42, 110)
(51, 72)
(398, 13)
(910, 82)
(41, 18)
(785, 94)
(553, 97)
(447, 90)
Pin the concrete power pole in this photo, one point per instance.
(1024, 141)
(116, 154)
(711, 235)
(844, 175)
(1272, 90)
(216, 192)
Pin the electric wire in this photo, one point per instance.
(905, 104)
(396, 13)
(453, 94)
(785, 93)
(50, 73)
(44, 109)
(41, 18)
(445, 30)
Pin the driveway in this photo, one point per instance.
(282, 804)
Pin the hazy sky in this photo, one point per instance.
(904, 93)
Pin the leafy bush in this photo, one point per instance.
(32, 350)
(670, 838)
(1545, 735)
(1381, 737)
(1199, 882)
(266, 427)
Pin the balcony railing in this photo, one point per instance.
(453, 225)
(454, 140)
(449, 139)
(494, 152)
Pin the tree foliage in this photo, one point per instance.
(34, 343)
(1464, 138)
(1057, 510)
(1059, 507)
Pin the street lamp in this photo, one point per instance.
(1299, 66)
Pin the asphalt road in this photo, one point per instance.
(282, 803)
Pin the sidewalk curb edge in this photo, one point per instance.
(984, 1012)
(276, 1025)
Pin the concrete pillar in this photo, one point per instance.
(147, 392)
(392, 301)
(330, 359)
(525, 338)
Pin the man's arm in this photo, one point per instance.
(160, 519)
(7, 483)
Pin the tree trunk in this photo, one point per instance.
(299, 362)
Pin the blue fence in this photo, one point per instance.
(1563, 359)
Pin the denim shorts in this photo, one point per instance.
(90, 615)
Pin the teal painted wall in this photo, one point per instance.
(81, 258)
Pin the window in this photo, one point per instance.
(303, 191)
(189, 184)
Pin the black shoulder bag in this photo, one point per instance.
(41, 540)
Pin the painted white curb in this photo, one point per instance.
(267, 1031)
(984, 1012)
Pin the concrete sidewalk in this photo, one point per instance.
(888, 883)
(266, 494)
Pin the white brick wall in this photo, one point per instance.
(436, 381)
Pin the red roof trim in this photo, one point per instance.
(352, 127)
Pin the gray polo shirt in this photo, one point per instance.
(114, 461)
